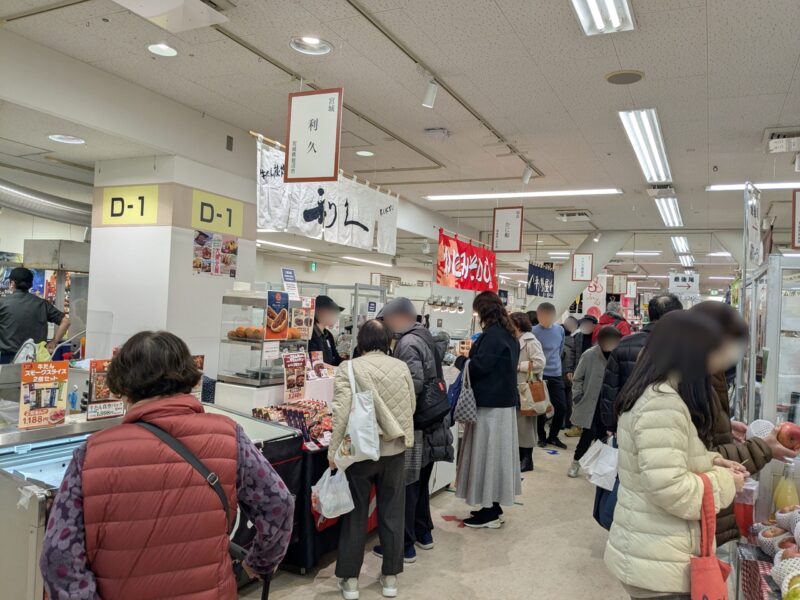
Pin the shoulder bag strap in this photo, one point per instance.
(708, 518)
(211, 478)
(465, 379)
(351, 375)
(432, 346)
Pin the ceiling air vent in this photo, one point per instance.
(573, 215)
(781, 139)
(661, 191)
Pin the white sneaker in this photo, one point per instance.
(389, 585)
(349, 588)
(574, 469)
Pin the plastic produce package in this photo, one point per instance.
(769, 539)
(331, 496)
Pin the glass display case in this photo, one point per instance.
(245, 357)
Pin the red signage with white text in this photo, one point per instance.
(463, 266)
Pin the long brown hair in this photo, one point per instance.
(491, 311)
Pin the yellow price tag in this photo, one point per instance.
(130, 205)
(217, 213)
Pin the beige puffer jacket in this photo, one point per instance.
(656, 526)
(392, 389)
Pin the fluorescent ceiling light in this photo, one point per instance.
(687, 260)
(670, 211)
(162, 49)
(559, 253)
(512, 274)
(285, 246)
(734, 187)
(723, 253)
(369, 262)
(722, 277)
(681, 244)
(603, 16)
(63, 138)
(644, 134)
(645, 287)
(648, 276)
(310, 45)
(365, 153)
(639, 253)
(548, 194)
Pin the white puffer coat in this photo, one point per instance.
(656, 526)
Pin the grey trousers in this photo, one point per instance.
(388, 475)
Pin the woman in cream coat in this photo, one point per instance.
(531, 356)
(665, 426)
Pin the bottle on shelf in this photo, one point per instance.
(786, 490)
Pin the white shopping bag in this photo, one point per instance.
(604, 471)
(331, 496)
(362, 441)
(589, 459)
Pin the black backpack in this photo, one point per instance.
(432, 403)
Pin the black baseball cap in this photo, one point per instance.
(326, 302)
(21, 275)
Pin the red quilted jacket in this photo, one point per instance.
(154, 528)
(611, 319)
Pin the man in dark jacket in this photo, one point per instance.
(622, 361)
(415, 346)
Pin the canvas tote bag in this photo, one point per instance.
(708, 574)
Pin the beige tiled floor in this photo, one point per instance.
(549, 549)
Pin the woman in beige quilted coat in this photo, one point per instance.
(392, 388)
(665, 426)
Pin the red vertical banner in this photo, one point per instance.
(463, 266)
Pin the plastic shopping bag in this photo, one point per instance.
(604, 471)
(362, 441)
(331, 496)
(589, 459)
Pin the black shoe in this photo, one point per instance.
(557, 443)
(497, 509)
(485, 517)
(525, 460)
(541, 443)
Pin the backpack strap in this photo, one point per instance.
(428, 339)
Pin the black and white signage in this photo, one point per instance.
(507, 229)
(312, 140)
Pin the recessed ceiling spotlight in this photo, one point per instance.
(62, 138)
(162, 49)
(365, 153)
(627, 77)
(430, 94)
(310, 45)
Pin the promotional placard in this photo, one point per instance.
(303, 318)
(312, 136)
(294, 374)
(631, 291)
(217, 213)
(684, 284)
(317, 368)
(582, 267)
(507, 229)
(215, 253)
(594, 297)
(43, 394)
(277, 326)
(290, 283)
(130, 205)
(102, 404)
(463, 266)
(541, 281)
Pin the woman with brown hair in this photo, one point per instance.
(531, 360)
(488, 467)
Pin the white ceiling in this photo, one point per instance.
(718, 71)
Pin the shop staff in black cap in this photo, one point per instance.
(25, 316)
(326, 315)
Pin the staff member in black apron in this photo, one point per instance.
(326, 315)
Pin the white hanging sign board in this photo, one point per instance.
(312, 138)
(582, 267)
(620, 284)
(507, 229)
(755, 249)
(594, 296)
(685, 284)
(796, 220)
(631, 293)
(290, 283)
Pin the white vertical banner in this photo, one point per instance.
(507, 228)
(271, 192)
(335, 229)
(582, 267)
(312, 138)
(594, 296)
(350, 215)
(307, 207)
(631, 293)
(387, 224)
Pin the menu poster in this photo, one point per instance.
(43, 394)
(215, 253)
(199, 362)
(303, 318)
(317, 368)
(277, 316)
(102, 403)
(294, 374)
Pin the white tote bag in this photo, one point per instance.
(362, 440)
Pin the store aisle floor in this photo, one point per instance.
(549, 549)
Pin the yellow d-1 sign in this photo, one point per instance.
(217, 213)
(130, 205)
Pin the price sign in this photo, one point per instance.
(43, 394)
(211, 212)
(130, 205)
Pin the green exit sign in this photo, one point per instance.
(312, 267)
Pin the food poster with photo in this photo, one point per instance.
(317, 368)
(215, 254)
(102, 403)
(43, 394)
(277, 325)
(294, 376)
(302, 324)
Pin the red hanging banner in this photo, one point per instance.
(463, 266)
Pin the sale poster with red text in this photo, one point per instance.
(463, 266)
(43, 394)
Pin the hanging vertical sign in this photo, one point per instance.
(387, 224)
(619, 284)
(312, 136)
(755, 249)
(507, 227)
(541, 281)
(582, 267)
(272, 194)
(594, 296)
(463, 266)
(796, 220)
(631, 292)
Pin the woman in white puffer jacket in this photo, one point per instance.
(665, 426)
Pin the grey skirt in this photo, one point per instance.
(488, 459)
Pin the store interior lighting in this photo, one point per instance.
(604, 16)
(722, 277)
(310, 45)
(365, 153)
(722, 254)
(639, 253)
(597, 237)
(368, 262)
(735, 187)
(527, 174)
(544, 194)
(648, 287)
(670, 211)
(681, 244)
(648, 276)
(644, 134)
(687, 260)
(430, 94)
(63, 138)
(162, 49)
(284, 246)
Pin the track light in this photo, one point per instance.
(430, 94)
(527, 174)
(597, 237)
